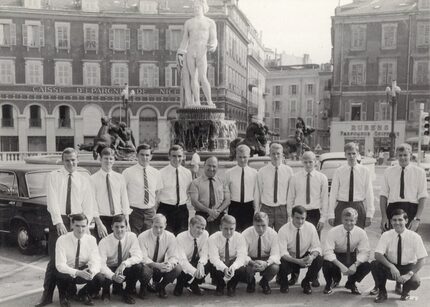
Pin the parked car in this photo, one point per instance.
(23, 211)
(329, 162)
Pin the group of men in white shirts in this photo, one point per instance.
(267, 221)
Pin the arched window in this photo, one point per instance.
(35, 118)
(64, 117)
(118, 115)
(7, 115)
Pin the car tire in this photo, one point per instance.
(23, 239)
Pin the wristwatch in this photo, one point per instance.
(417, 219)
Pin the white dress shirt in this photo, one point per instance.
(415, 184)
(135, 185)
(199, 190)
(65, 253)
(119, 193)
(237, 249)
(363, 190)
(309, 241)
(186, 249)
(412, 246)
(108, 248)
(167, 251)
(269, 244)
(318, 192)
(266, 181)
(81, 196)
(233, 181)
(336, 242)
(168, 192)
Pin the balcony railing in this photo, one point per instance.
(20, 156)
(35, 122)
(7, 122)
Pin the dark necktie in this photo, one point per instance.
(298, 243)
(402, 183)
(351, 185)
(69, 195)
(177, 188)
(242, 186)
(78, 250)
(259, 248)
(145, 187)
(275, 188)
(399, 251)
(308, 188)
(109, 190)
(348, 248)
(211, 193)
(157, 247)
(195, 256)
(119, 252)
(227, 254)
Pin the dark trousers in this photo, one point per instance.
(287, 268)
(381, 273)
(268, 274)
(278, 216)
(332, 272)
(66, 284)
(243, 213)
(177, 217)
(212, 226)
(107, 222)
(357, 205)
(240, 275)
(313, 216)
(409, 208)
(132, 275)
(184, 278)
(156, 275)
(50, 275)
(141, 219)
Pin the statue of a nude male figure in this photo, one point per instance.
(199, 37)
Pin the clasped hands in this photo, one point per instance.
(349, 271)
(258, 265)
(163, 267)
(305, 261)
(229, 273)
(200, 271)
(400, 278)
(213, 214)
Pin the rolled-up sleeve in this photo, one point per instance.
(363, 248)
(214, 255)
(422, 185)
(135, 253)
(145, 257)
(104, 269)
(94, 262)
(61, 259)
(274, 252)
(283, 242)
(242, 253)
(329, 247)
(172, 251)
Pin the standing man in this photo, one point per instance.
(209, 195)
(241, 181)
(143, 185)
(351, 187)
(273, 180)
(346, 251)
(404, 187)
(110, 193)
(160, 257)
(193, 256)
(68, 192)
(400, 254)
(120, 260)
(78, 262)
(300, 248)
(174, 194)
(195, 163)
(263, 252)
(227, 256)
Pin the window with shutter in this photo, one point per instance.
(364, 111)
(91, 33)
(33, 72)
(168, 76)
(387, 71)
(63, 73)
(358, 37)
(91, 74)
(62, 34)
(7, 34)
(7, 71)
(389, 36)
(119, 74)
(423, 34)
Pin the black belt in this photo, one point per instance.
(174, 205)
(239, 203)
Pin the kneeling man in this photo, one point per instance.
(346, 251)
(120, 260)
(227, 256)
(193, 256)
(299, 248)
(399, 255)
(263, 252)
(77, 261)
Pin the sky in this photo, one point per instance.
(294, 26)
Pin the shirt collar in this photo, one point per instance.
(256, 233)
(311, 172)
(66, 172)
(105, 173)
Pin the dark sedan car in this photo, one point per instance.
(23, 212)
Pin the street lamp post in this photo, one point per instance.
(126, 95)
(392, 94)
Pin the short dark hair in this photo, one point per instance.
(298, 209)
(260, 216)
(68, 150)
(107, 152)
(399, 212)
(143, 146)
(175, 148)
(78, 218)
(228, 219)
(119, 218)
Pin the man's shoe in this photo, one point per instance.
(351, 286)
(398, 289)
(105, 297)
(328, 289)
(195, 289)
(265, 286)
(251, 286)
(219, 291)
(306, 287)
(284, 288)
(64, 303)
(374, 291)
(405, 297)
(86, 299)
(126, 298)
(46, 299)
(315, 283)
(293, 279)
(382, 296)
(162, 292)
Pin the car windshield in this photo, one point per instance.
(36, 183)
